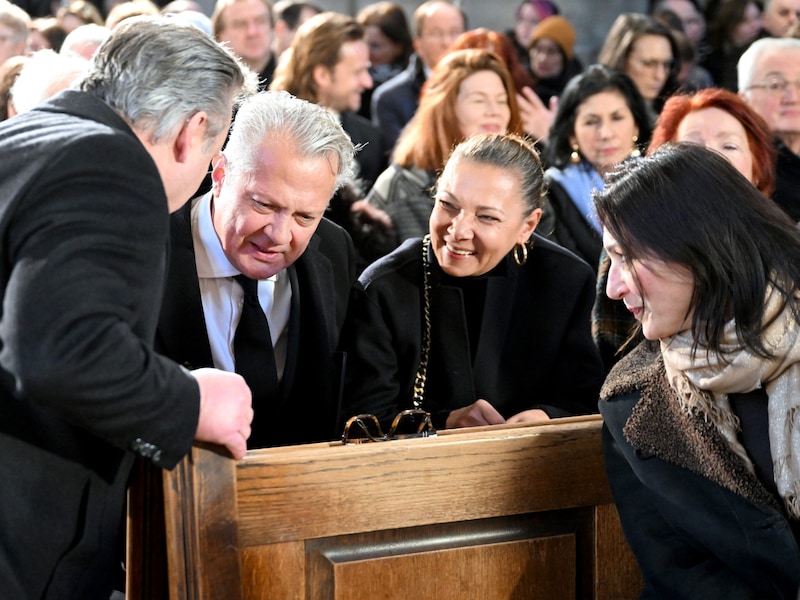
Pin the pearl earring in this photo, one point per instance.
(574, 156)
(635, 152)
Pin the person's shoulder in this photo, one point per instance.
(547, 250)
(359, 128)
(404, 80)
(408, 254)
(331, 232)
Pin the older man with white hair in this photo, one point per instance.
(769, 79)
(778, 17)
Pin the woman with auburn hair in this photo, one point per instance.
(721, 120)
(534, 112)
(469, 91)
(494, 41)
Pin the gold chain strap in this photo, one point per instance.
(422, 371)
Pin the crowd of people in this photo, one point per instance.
(217, 226)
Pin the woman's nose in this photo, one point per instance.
(615, 286)
(460, 227)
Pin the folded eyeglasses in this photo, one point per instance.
(410, 423)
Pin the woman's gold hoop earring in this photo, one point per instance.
(635, 152)
(520, 257)
(574, 156)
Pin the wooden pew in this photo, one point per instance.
(519, 511)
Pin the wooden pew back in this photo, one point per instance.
(500, 512)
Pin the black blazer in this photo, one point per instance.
(395, 101)
(535, 348)
(321, 279)
(84, 230)
(371, 157)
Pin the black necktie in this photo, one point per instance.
(253, 354)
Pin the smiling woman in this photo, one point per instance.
(495, 317)
(706, 475)
(601, 121)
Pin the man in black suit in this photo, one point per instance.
(768, 74)
(246, 26)
(263, 218)
(437, 24)
(87, 181)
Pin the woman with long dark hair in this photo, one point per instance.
(702, 418)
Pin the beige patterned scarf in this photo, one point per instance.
(703, 385)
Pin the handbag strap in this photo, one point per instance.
(422, 370)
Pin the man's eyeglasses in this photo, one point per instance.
(408, 424)
(777, 86)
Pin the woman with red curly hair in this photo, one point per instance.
(723, 121)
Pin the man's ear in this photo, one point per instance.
(218, 172)
(192, 134)
(321, 76)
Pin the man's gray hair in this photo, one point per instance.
(746, 65)
(314, 130)
(157, 72)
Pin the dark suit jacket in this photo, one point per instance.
(321, 279)
(535, 348)
(396, 101)
(84, 230)
(787, 181)
(371, 158)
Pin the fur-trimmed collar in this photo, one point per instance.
(659, 427)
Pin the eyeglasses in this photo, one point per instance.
(410, 423)
(654, 64)
(777, 86)
(440, 35)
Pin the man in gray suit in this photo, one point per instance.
(87, 182)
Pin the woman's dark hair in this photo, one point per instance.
(594, 80)
(727, 17)
(688, 205)
(618, 45)
(390, 18)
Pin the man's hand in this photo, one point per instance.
(226, 410)
(479, 412)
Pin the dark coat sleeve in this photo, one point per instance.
(567, 227)
(381, 336)
(691, 537)
(83, 261)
